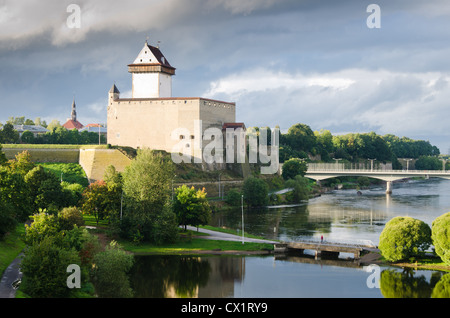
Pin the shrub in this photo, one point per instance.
(110, 272)
(68, 217)
(255, 192)
(440, 236)
(403, 238)
(43, 225)
(233, 197)
(44, 269)
(293, 167)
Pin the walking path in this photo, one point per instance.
(214, 235)
(12, 273)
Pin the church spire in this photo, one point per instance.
(74, 111)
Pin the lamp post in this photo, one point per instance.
(242, 207)
(371, 164)
(172, 185)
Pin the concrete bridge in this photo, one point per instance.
(325, 249)
(320, 172)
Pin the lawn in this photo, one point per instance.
(69, 172)
(11, 246)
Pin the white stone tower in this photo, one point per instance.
(151, 74)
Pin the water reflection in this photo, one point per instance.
(285, 276)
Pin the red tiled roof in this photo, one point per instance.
(71, 124)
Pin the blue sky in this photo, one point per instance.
(282, 61)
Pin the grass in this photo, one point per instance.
(192, 246)
(51, 146)
(69, 172)
(11, 246)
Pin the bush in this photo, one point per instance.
(293, 167)
(110, 272)
(403, 238)
(44, 269)
(440, 236)
(255, 192)
(43, 225)
(68, 217)
(233, 197)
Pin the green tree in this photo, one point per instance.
(403, 238)
(300, 137)
(95, 200)
(44, 269)
(255, 192)
(191, 206)
(110, 272)
(440, 234)
(233, 197)
(7, 218)
(300, 189)
(43, 225)
(8, 135)
(294, 167)
(15, 192)
(69, 217)
(428, 163)
(147, 195)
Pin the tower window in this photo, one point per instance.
(192, 136)
(181, 137)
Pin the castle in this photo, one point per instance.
(153, 119)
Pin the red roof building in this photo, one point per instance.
(72, 122)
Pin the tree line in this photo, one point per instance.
(300, 141)
(57, 134)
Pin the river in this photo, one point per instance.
(341, 215)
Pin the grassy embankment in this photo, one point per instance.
(11, 246)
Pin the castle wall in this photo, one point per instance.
(149, 123)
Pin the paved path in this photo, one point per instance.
(11, 274)
(214, 235)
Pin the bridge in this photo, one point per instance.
(325, 248)
(318, 172)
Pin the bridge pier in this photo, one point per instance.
(388, 187)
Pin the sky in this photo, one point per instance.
(282, 62)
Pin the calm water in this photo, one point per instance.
(338, 216)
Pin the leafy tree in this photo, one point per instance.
(440, 235)
(43, 225)
(27, 137)
(8, 134)
(147, 194)
(22, 164)
(233, 197)
(191, 206)
(45, 189)
(69, 217)
(428, 163)
(2, 156)
(15, 192)
(255, 192)
(44, 269)
(300, 137)
(110, 272)
(95, 200)
(300, 189)
(403, 238)
(7, 218)
(294, 167)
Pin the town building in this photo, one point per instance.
(72, 122)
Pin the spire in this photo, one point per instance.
(114, 89)
(74, 112)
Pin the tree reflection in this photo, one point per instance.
(169, 276)
(396, 284)
(442, 288)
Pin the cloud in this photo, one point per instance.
(352, 100)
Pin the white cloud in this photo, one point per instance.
(352, 100)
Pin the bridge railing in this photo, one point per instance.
(342, 242)
(333, 167)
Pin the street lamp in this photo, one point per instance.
(371, 164)
(242, 207)
(172, 185)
